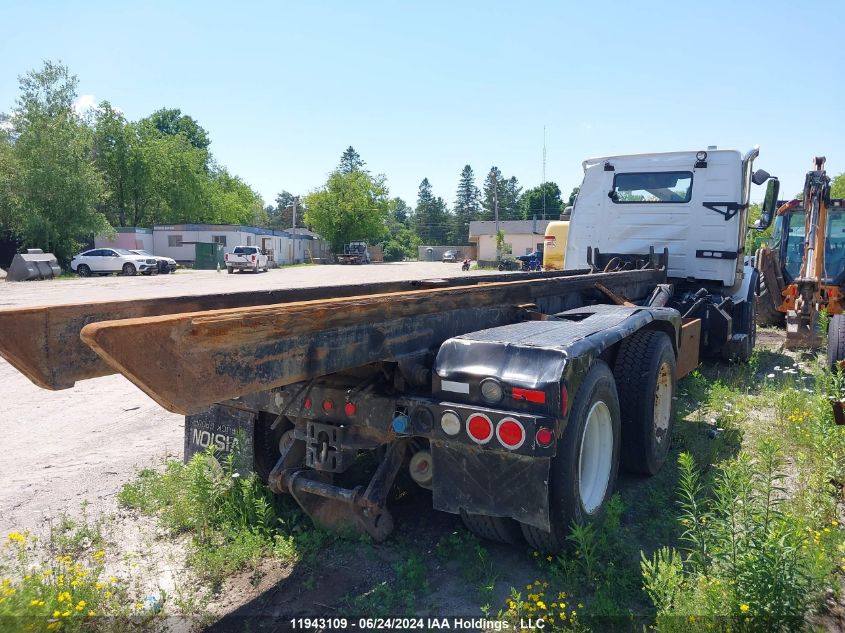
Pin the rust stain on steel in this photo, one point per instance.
(43, 342)
(189, 361)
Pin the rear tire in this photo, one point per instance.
(583, 472)
(767, 312)
(499, 529)
(836, 341)
(83, 271)
(646, 382)
(129, 269)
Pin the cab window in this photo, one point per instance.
(652, 187)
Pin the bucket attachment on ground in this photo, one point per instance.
(34, 264)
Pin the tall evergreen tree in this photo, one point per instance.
(467, 206)
(509, 203)
(350, 160)
(431, 218)
(493, 193)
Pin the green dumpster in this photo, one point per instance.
(208, 256)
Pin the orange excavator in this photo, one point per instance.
(803, 269)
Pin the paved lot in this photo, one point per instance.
(63, 447)
(192, 282)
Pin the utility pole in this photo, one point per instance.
(496, 214)
(293, 231)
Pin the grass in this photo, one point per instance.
(233, 520)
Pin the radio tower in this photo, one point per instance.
(544, 172)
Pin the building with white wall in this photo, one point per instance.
(178, 241)
(128, 237)
(521, 237)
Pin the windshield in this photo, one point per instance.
(834, 252)
(144, 253)
(122, 251)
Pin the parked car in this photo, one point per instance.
(105, 261)
(165, 264)
(246, 258)
(451, 257)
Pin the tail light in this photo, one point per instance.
(226, 257)
(480, 428)
(253, 258)
(328, 405)
(544, 437)
(350, 409)
(510, 433)
(529, 395)
(307, 403)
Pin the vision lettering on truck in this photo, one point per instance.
(221, 442)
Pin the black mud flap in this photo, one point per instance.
(228, 430)
(492, 483)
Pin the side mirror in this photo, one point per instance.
(769, 205)
(760, 176)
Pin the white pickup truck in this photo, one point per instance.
(246, 258)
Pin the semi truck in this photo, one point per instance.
(513, 400)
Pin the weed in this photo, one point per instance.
(750, 559)
(62, 593)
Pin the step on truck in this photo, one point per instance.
(513, 400)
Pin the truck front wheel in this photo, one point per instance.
(645, 379)
(584, 470)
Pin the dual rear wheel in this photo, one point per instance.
(599, 434)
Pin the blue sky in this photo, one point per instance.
(421, 89)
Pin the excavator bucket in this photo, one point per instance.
(32, 265)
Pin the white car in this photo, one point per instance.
(165, 264)
(246, 258)
(104, 261)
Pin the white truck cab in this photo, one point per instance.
(694, 203)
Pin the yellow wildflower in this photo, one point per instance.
(16, 537)
(743, 607)
(541, 605)
(92, 613)
(549, 558)
(57, 613)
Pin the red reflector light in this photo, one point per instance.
(480, 428)
(545, 437)
(328, 405)
(253, 258)
(307, 403)
(564, 400)
(529, 395)
(510, 433)
(350, 409)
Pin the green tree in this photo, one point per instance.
(351, 206)
(350, 160)
(509, 204)
(114, 151)
(542, 202)
(493, 193)
(171, 121)
(502, 191)
(431, 217)
(572, 196)
(51, 179)
(837, 187)
(467, 206)
(281, 217)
